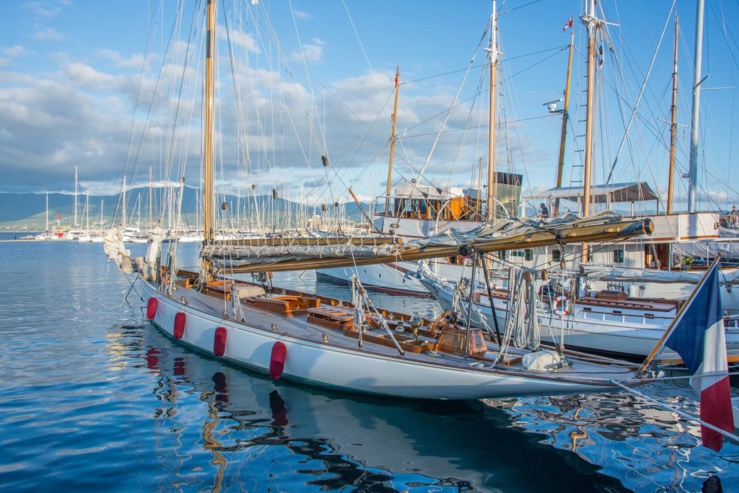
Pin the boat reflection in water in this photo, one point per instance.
(225, 428)
(648, 447)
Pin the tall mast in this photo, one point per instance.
(47, 211)
(591, 22)
(493, 50)
(693, 170)
(75, 196)
(565, 119)
(389, 188)
(673, 125)
(123, 203)
(150, 198)
(208, 101)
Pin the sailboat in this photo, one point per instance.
(671, 262)
(563, 304)
(353, 347)
(47, 235)
(417, 208)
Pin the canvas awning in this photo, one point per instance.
(600, 194)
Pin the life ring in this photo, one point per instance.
(561, 306)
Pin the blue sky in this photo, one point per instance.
(70, 71)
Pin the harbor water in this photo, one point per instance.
(94, 398)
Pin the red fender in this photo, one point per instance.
(151, 308)
(277, 361)
(179, 325)
(219, 341)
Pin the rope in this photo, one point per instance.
(680, 413)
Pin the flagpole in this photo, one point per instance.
(668, 331)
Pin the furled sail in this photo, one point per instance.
(606, 273)
(283, 254)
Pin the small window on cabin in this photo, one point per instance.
(529, 254)
(503, 254)
(556, 255)
(618, 256)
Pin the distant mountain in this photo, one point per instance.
(28, 210)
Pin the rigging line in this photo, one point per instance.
(503, 122)
(516, 8)
(456, 97)
(361, 46)
(155, 91)
(369, 130)
(139, 97)
(641, 91)
(727, 33)
(558, 49)
(305, 67)
(532, 66)
(466, 127)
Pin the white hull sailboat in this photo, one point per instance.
(606, 323)
(352, 347)
(323, 357)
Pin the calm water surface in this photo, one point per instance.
(93, 398)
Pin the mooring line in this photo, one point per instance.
(681, 413)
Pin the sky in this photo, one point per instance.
(80, 88)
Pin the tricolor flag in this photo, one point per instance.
(698, 337)
(569, 24)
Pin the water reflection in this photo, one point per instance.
(257, 433)
(648, 447)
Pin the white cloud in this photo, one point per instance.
(134, 61)
(45, 9)
(48, 34)
(88, 77)
(302, 15)
(244, 40)
(15, 51)
(312, 52)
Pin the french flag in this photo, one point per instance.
(698, 337)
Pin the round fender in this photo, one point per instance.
(151, 308)
(219, 341)
(179, 325)
(277, 360)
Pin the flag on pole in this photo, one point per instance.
(569, 24)
(699, 338)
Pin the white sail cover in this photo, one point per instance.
(728, 248)
(606, 273)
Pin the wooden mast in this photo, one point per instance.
(565, 119)
(493, 50)
(389, 189)
(673, 125)
(591, 22)
(209, 107)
